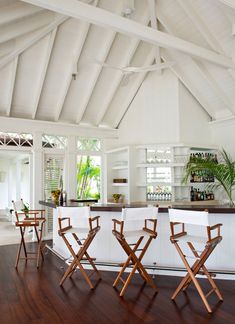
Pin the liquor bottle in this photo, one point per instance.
(192, 194)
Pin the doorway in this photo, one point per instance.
(14, 185)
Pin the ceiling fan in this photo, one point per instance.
(136, 69)
(158, 65)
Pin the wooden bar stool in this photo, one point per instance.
(82, 235)
(200, 218)
(135, 224)
(26, 219)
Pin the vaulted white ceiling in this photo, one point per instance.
(49, 51)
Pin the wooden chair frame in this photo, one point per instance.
(133, 260)
(199, 265)
(37, 223)
(82, 254)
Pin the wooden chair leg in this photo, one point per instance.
(191, 277)
(22, 243)
(137, 265)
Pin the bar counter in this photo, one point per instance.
(111, 207)
(161, 255)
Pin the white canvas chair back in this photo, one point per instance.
(134, 217)
(79, 216)
(189, 217)
(130, 214)
(18, 205)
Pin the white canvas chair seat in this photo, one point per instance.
(193, 239)
(141, 224)
(181, 218)
(76, 222)
(136, 233)
(77, 230)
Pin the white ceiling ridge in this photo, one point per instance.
(103, 18)
(154, 24)
(17, 10)
(32, 40)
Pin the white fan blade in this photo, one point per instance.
(108, 65)
(148, 68)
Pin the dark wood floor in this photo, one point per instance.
(34, 296)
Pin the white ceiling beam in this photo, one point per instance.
(126, 57)
(32, 40)
(103, 18)
(69, 79)
(23, 125)
(229, 3)
(95, 77)
(25, 26)
(12, 84)
(43, 72)
(17, 10)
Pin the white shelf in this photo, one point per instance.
(160, 165)
(172, 184)
(120, 167)
(119, 184)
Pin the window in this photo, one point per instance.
(14, 139)
(53, 169)
(88, 176)
(89, 168)
(54, 141)
(88, 144)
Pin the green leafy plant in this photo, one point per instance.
(88, 174)
(224, 172)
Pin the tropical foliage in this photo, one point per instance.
(224, 172)
(88, 178)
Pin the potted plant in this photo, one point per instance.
(223, 171)
(116, 197)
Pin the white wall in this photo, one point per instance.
(194, 121)
(153, 115)
(4, 184)
(164, 111)
(223, 135)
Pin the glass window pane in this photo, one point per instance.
(88, 176)
(88, 144)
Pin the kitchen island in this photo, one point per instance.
(161, 255)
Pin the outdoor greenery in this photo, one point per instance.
(224, 172)
(88, 178)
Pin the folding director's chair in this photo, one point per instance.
(82, 236)
(209, 242)
(25, 220)
(135, 225)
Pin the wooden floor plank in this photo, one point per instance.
(34, 296)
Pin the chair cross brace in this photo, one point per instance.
(197, 268)
(39, 252)
(82, 254)
(134, 261)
